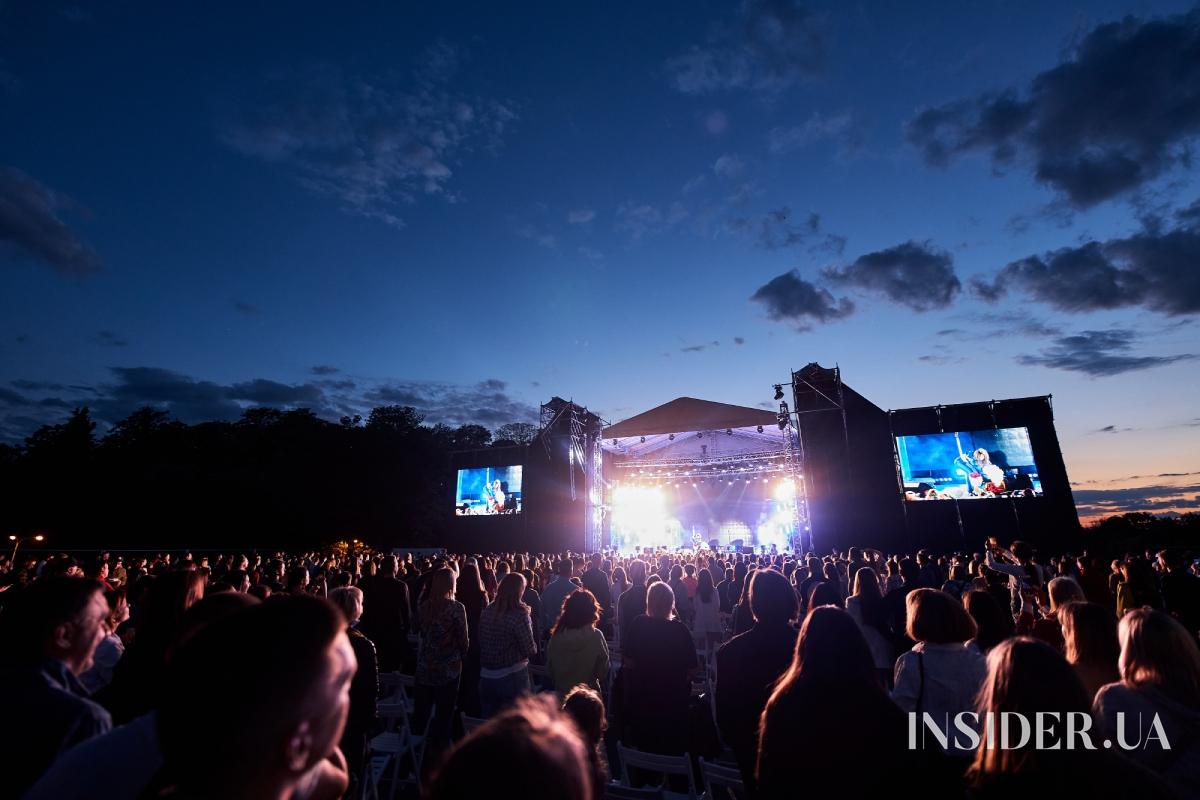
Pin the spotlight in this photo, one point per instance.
(643, 440)
(671, 437)
(779, 391)
(729, 431)
(699, 434)
(614, 442)
(760, 428)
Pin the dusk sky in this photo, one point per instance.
(470, 208)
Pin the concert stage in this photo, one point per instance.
(830, 470)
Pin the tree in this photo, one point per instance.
(471, 437)
(138, 428)
(516, 433)
(75, 438)
(398, 419)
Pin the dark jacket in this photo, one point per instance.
(46, 712)
(747, 668)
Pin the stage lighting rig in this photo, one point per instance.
(642, 440)
(779, 391)
(760, 428)
(671, 437)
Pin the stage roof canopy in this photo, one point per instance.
(685, 414)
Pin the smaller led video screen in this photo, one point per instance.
(966, 465)
(487, 491)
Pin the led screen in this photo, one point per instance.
(488, 490)
(966, 465)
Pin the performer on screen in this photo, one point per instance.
(993, 476)
(495, 497)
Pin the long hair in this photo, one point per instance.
(704, 586)
(830, 652)
(938, 618)
(469, 581)
(579, 610)
(1090, 631)
(1024, 676)
(441, 594)
(1157, 651)
(990, 625)
(509, 593)
(870, 600)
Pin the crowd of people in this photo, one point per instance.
(260, 675)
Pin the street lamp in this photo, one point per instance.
(19, 540)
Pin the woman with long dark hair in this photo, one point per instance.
(993, 624)
(506, 644)
(829, 723)
(706, 626)
(577, 652)
(443, 646)
(470, 592)
(865, 606)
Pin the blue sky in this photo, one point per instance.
(473, 207)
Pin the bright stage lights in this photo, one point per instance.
(785, 491)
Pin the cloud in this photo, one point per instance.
(538, 236)
(716, 122)
(915, 275)
(843, 129)
(324, 369)
(790, 298)
(1124, 500)
(774, 45)
(775, 230)
(374, 144)
(109, 339)
(246, 308)
(1154, 268)
(486, 403)
(591, 254)
(30, 226)
(1112, 429)
(580, 216)
(1098, 354)
(1117, 114)
(729, 166)
(940, 359)
(641, 220)
(192, 400)
(739, 340)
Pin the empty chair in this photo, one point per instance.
(722, 781)
(664, 766)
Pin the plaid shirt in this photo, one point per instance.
(504, 640)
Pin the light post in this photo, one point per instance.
(18, 540)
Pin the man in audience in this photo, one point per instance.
(387, 617)
(749, 665)
(291, 683)
(52, 630)
(554, 594)
(596, 581)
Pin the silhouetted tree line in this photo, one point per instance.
(271, 479)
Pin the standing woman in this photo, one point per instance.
(707, 604)
(472, 595)
(577, 652)
(506, 644)
(865, 606)
(443, 645)
(1092, 648)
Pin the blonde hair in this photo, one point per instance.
(660, 600)
(349, 600)
(1157, 651)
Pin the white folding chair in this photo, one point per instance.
(664, 766)
(391, 748)
(725, 777)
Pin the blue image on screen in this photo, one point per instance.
(487, 491)
(968, 464)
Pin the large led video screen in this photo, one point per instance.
(966, 465)
(487, 491)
